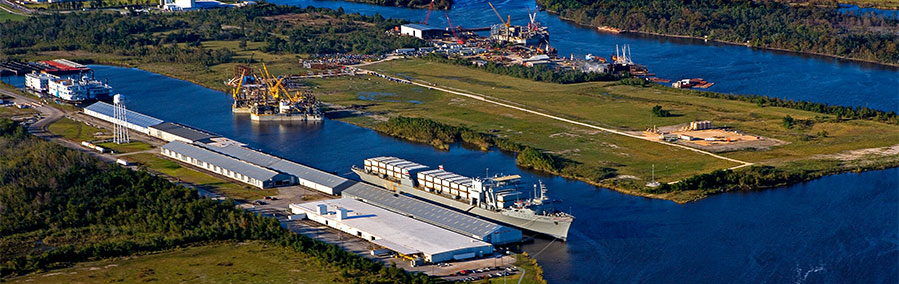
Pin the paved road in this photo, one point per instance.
(21, 9)
(507, 105)
(49, 115)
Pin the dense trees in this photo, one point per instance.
(769, 24)
(840, 112)
(60, 206)
(176, 37)
(657, 111)
(537, 73)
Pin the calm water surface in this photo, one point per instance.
(734, 69)
(836, 229)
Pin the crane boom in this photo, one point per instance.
(430, 7)
(501, 20)
(453, 29)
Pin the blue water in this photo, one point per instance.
(837, 229)
(889, 14)
(733, 69)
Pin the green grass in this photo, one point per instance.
(206, 180)
(128, 147)
(629, 156)
(228, 262)
(524, 264)
(11, 111)
(7, 16)
(606, 104)
(73, 130)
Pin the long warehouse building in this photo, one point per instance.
(303, 175)
(227, 166)
(135, 121)
(434, 214)
(399, 233)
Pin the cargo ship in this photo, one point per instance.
(497, 198)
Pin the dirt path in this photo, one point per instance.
(487, 99)
(852, 155)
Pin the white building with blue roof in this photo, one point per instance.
(135, 121)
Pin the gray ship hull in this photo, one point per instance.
(556, 227)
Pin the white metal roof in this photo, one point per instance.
(282, 165)
(434, 214)
(220, 160)
(399, 233)
(133, 117)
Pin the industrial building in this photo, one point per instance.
(227, 166)
(421, 31)
(135, 121)
(177, 5)
(404, 235)
(301, 174)
(433, 214)
(170, 131)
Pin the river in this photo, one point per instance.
(733, 69)
(840, 228)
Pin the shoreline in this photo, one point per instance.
(832, 56)
(680, 197)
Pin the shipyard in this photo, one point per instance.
(441, 141)
(404, 229)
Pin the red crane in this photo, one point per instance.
(431, 6)
(453, 29)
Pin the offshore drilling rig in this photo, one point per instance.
(269, 98)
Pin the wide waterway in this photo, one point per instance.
(840, 228)
(733, 69)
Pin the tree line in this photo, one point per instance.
(59, 206)
(537, 73)
(839, 112)
(177, 37)
(441, 135)
(438, 4)
(767, 24)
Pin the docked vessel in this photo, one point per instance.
(497, 198)
(70, 90)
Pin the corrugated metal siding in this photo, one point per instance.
(436, 215)
(332, 183)
(222, 161)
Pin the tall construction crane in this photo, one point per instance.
(453, 29)
(430, 7)
(501, 20)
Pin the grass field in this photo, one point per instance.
(605, 104)
(11, 111)
(201, 179)
(73, 130)
(5, 15)
(228, 262)
(134, 146)
(629, 156)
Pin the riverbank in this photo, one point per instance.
(572, 21)
(615, 106)
(589, 154)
